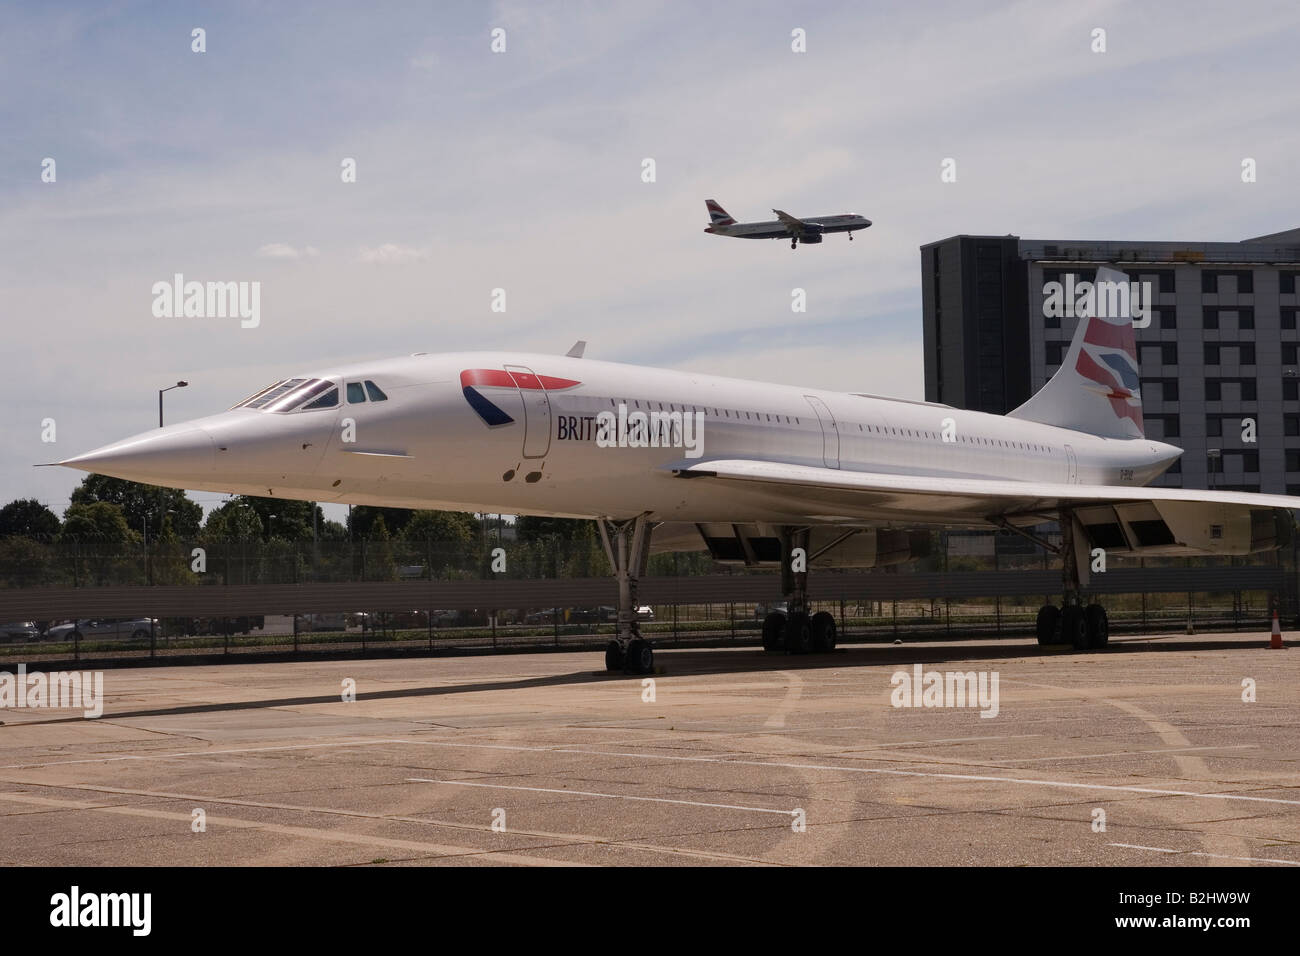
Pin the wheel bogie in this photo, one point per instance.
(798, 633)
(823, 632)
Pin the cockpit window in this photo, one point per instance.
(376, 395)
(258, 394)
(328, 400)
(262, 399)
(294, 394)
(356, 393)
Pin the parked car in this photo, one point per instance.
(322, 622)
(20, 631)
(87, 629)
(645, 613)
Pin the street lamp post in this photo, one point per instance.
(160, 395)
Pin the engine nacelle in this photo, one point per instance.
(810, 238)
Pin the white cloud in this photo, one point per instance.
(392, 253)
(279, 250)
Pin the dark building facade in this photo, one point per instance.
(1220, 351)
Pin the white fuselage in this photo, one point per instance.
(776, 229)
(427, 446)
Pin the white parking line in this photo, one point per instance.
(590, 793)
(1127, 753)
(1216, 856)
(978, 778)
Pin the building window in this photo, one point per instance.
(1160, 389)
(1289, 353)
(1055, 350)
(1293, 459)
(1213, 426)
(1211, 353)
(1210, 280)
(1288, 318)
(1291, 425)
(1286, 283)
(1246, 353)
(1290, 389)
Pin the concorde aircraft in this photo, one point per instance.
(785, 226)
(759, 473)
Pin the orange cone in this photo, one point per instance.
(1275, 642)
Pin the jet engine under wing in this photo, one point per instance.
(1138, 519)
(796, 226)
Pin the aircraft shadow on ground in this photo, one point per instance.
(722, 661)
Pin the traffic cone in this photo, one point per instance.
(1275, 642)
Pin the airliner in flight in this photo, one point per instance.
(808, 231)
(756, 473)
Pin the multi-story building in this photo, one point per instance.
(1220, 352)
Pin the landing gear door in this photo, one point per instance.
(537, 411)
(830, 432)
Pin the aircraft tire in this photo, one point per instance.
(798, 634)
(1098, 626)
(613, 656)
(774, 632)
(1074, 627)
(1049, 619)
(640, 657)
(823, 632)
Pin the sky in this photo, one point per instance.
(522, 170)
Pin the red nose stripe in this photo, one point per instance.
(500, 378)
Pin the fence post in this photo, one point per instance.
(295, 632)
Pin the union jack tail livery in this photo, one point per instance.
(1097, 389)
(717, 215)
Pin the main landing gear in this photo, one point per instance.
(1083, 625)
(794, 242)
(797, 631)
(627, 545)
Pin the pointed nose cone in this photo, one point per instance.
(155, 457)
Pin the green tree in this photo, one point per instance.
(530, 528)
(275, 517)
(100, 520)
(28, 517)
(361, 520)
(170, 562)
(380, 564)
(233, 519)
(141, 505)
(440, 527)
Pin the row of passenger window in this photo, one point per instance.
(875, 429)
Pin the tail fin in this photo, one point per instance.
(717, 215)
(1097, 389)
